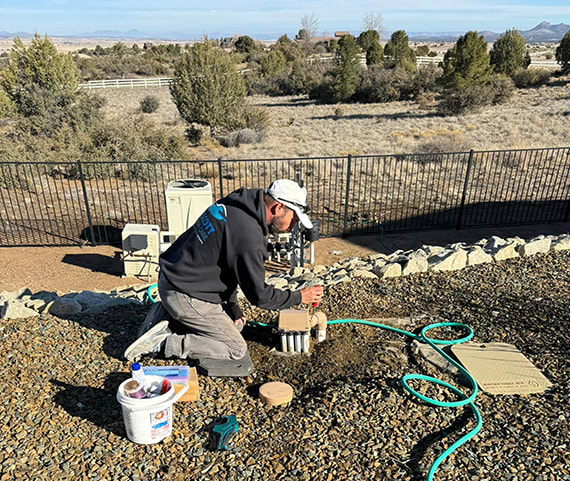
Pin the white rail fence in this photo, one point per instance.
(166, 81)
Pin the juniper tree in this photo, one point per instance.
(508, 53)
(399, 52)
(467, 63)
(206, 87)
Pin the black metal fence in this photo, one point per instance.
(67, 203)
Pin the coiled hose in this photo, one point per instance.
(433, 343)
(464, 399)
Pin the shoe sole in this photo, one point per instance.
(145, 343)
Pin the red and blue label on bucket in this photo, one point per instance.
(160, 423)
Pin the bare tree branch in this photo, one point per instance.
(373, 21)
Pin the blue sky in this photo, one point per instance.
(71, 17)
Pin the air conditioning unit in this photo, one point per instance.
(186, 200)
(141, 248)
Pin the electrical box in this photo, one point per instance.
(186, 200)
(141, 248)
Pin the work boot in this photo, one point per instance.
(152, 341)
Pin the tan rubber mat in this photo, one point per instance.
(500, 368)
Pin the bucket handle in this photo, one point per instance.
(176, 397)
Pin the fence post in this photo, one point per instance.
(220, 177)
(82, 179)
(465, 185)
(348, 169)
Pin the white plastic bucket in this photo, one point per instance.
(149, 421)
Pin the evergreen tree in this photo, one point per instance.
(41, 66)
(245, 44)
(273, 63)
(508, 53)
(367, 39)
(347, 68)
(563, 53)
(466, 63)
(206, 87)
(375, 54)
(400, 53)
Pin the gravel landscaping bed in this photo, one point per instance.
(350, 417)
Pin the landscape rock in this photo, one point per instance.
(504, 252)
(534, 246)
(318, 268)
(393, 269)
(14, 309)
(562, 243)
(476, 255)
(364, 274)
(415, 265)
(64, 307)
(448, 261)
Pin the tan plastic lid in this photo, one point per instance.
(275, 393)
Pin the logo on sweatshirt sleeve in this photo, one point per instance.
(218, 211)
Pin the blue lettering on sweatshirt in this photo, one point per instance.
(203, 226)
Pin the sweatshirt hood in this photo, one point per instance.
(251, 202)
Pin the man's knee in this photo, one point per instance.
(238, 349)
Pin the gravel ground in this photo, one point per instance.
(349, 419)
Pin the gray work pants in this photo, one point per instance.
(211, 333)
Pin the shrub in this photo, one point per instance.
(563, 53)
(206, 87)
(7, 107)
(508, 53)
(241, 136)
(532, 77)
(379, 84)
(254, 118)
(303, 78)
(422, 51)
(273, 63)
(466, 63)
(149, 104)
(501, 87)
(45, 111)
(468, 99)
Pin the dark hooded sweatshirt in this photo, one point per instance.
(226, 247)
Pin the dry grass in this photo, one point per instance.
(299, 128)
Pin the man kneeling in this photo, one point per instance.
(199, 274)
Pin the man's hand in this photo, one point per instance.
(239, 323)
(311, 295)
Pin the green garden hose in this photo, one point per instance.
(433, 343)
(465, 400)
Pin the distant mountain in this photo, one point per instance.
(546, 32)
(5, 34)
(433, 36)
(543, 32)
